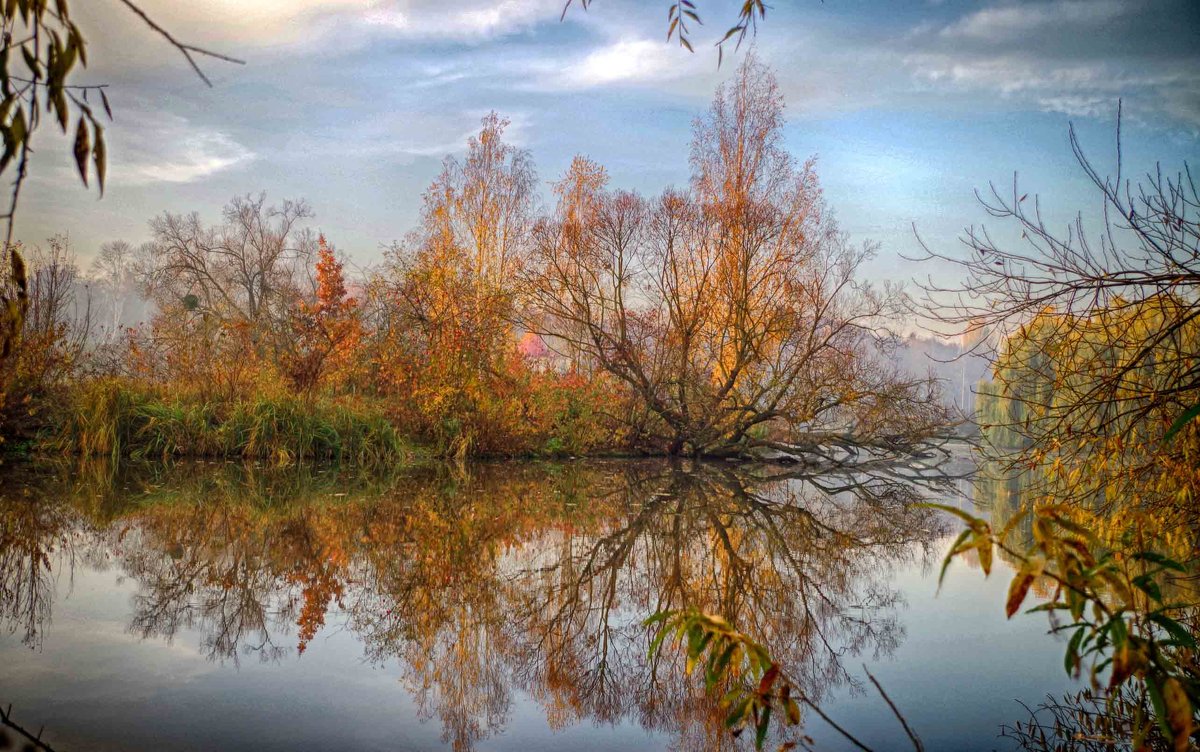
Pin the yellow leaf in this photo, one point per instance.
(1179, 713)
(1017, 590)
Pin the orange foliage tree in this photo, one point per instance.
(326, 330)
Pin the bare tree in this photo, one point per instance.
(115, 274)
(733, 311)
(241, 269)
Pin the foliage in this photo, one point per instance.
(763, 689)
(450, 574)
(14, 301)
(444, 310)
(111, 418)
(54, 328)
(1096, 348)
(682, 13)
(1043, 410)
(758, 687)
(326, 331)
(1087, 721)
(1116, 607)
(724, 320)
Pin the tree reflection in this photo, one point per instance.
(504, 580)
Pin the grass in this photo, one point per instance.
(119, 419)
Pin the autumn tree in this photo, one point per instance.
(325, 330)
(451, 285)
(55, 327)
(732, 312)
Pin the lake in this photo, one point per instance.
(489, 607)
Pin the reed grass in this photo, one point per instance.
(121, 419)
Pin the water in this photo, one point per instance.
(204, 607)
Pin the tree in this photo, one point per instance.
(325, 331)
(115, 274)
(52, 47)
(452, 288)
(242, 270)
(1098, 342)
(55, 326)
(731, 312)
(1089, 416)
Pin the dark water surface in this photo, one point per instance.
(498, 607)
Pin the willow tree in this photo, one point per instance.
(732, 312)
(1098, 347)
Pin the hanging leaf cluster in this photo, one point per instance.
(42, 48)
(1114, 605)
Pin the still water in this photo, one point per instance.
(494, 607)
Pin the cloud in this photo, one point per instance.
(466, 20)
(1007, 23)
(623, 62)
(1071, 56)
(170, 149)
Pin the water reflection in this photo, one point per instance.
(479, 585)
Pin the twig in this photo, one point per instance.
(848, 736)
(916, 740)
(36, 740)
(186, 49)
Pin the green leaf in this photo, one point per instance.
(965, 517)
(1160, 706)
(1186, 417)
(760, 733)
(1147, 585)
(1071, 660)
(738, 712)
(1157, 558)
(950, 556)
(1179, 634)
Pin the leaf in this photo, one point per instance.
(83, 149)
(950, 556)
(768, 679)
(1186, 417)
(1159, 559)
(1180, 635)
(792, 711)
(104, 101)
(984, 546)
(965, 517)
(1017, 590)
(722, 661)
(1160, 705)
(18, 127)
(100, 158)
(760, 733)
(1071, 660)
(1179, 713)
(737, 713)
(1147, 585)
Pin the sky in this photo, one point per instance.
(909, 107)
